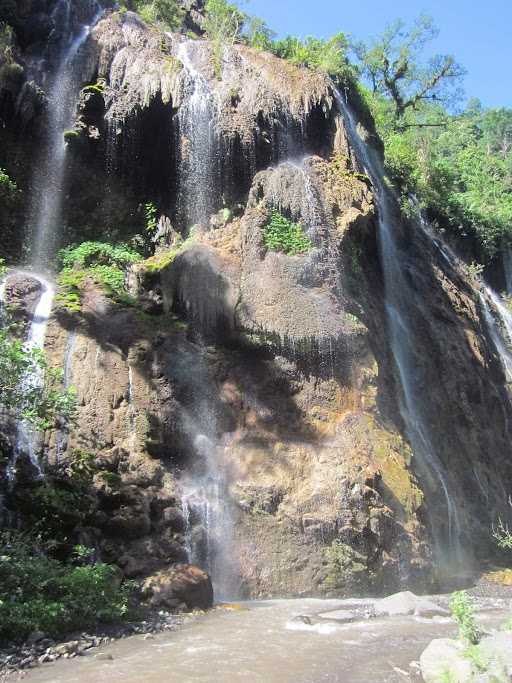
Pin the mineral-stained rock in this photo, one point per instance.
(182, 583)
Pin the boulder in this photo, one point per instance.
(181, 583)
(443, 660)
(496, 652)
(406, 603)
(343, 616)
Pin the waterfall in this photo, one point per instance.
(507, 267)
(400, 324)
(209, 524)
(198, 142)
(48, 185)
(26, 437)
(503, 345)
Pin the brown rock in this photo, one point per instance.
(186, 583)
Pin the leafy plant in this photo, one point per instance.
(41, 401)
(283, 235)
(223, 24)
(476, 657)
(328, 56)
(103, 262)
(151, 221)
(167, 13)
(38, 592)
(463, 611)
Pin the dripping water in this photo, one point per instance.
(198, 142)
(48, 186)
(397, 295)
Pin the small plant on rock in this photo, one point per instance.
(463, 611)
(281, 234)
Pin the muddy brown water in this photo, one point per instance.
(261, 642)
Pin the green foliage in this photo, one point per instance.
(89, 254)
(393, 65)
(463, 611)
(103, 262)
(258, 34)
(458, 166)
(223, 24)
(476, 657)
(151, 220)
(502, 535)
(344, 564)
(38, 592)
(328, 56)
(40, 402)
(166, 13)
(8, 189)
(282, 235)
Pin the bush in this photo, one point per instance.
(103, 262)
(463, 611)
(328, 56)
(38, 592)
(41, 402)
(223, 24)
(282, 235)
(165, 12)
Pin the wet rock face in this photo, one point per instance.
(22, 293)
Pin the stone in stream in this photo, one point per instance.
(488, 662)
(343, 616)
(444, 658)
(406, 603)
(181, 583)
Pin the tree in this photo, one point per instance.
(223, 24)
(393, 65)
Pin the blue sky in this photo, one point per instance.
(478, 34)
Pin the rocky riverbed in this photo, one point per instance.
(285, 641)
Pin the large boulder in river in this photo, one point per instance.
(406, 603)
(183, 583)
(489, 662)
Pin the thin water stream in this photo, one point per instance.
(27, 438)
(398, 295)
(198, 143)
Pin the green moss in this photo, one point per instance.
(345, 565)
(70, 135)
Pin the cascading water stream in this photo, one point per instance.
(48, 185)
(397, 295)
(26, 437)
(47, 196)
(198, 143)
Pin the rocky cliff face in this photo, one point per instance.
(246, 411)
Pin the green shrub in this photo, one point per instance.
(223, 24)
(463, 611)
(168, 13)
(38, 592)
(41, 403)
(103, 262)
(282, 235)
(328, 56)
